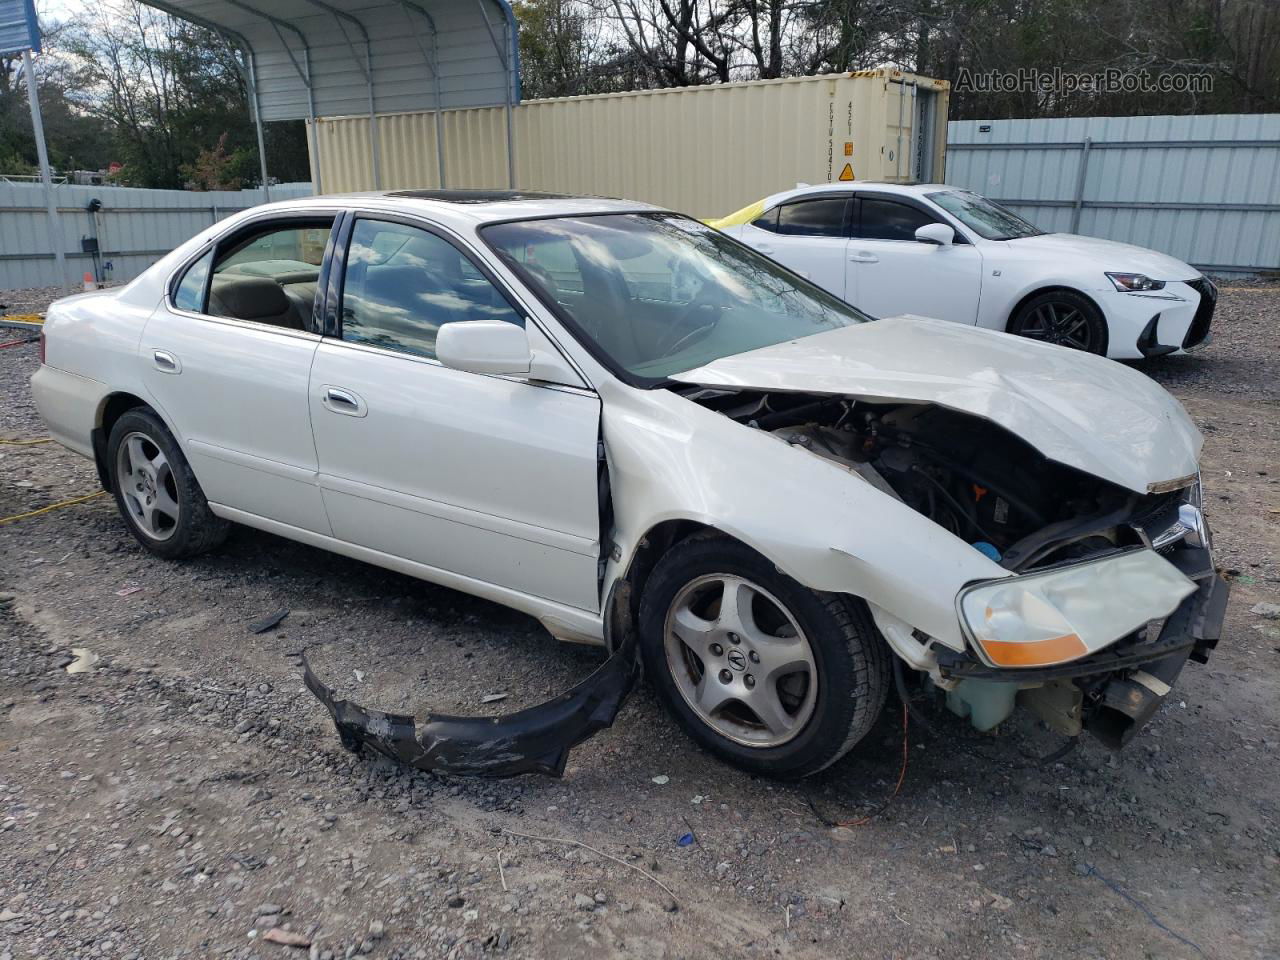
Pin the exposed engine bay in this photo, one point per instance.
(972, 478)
(996, 492)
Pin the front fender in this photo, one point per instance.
(822, 525)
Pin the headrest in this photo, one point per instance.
(247, 298)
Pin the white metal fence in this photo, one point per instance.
(133, 228)
(1204, 189)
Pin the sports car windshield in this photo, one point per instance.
(984, 217)
(659, 293)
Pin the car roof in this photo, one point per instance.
(879, 186)
(476, 207)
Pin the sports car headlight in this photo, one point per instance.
(1134, 282)
(1043, 619)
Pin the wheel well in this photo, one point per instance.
(115, 407)
(656, 542)
(1060, 288)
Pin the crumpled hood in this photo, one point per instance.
(1109, 255)
(1088, 412)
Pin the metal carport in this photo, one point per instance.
(305, 59)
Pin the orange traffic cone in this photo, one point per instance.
(89, 283)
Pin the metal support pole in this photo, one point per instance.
(1078, 203)
(373, 119)
(312, 126)
(257, 123)
(433, 60)
(46, 176)
(511, 89)
(435, 83)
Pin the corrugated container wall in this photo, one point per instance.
(704, 150)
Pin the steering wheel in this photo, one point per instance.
(704, 317)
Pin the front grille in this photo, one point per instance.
(1199, 328)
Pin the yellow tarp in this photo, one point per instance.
(738, 218)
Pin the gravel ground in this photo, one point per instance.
(186, 797)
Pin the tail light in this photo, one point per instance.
(41, 346)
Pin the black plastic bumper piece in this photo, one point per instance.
(536, 740)
(1148, 345)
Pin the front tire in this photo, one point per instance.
(1064, 318)
(762, 672)
(156, 492)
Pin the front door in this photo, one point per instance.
(226, 359)
(891, 272)
(491, 478)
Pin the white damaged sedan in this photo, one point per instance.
(645, 434)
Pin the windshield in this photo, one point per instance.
(984, 217)
(659, 293)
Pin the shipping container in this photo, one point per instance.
(705, 150)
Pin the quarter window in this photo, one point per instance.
(822, 217)
(403, 283)
(890, 220)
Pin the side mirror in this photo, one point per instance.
(938, 234)
(484, 346)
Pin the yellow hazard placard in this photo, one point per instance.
(847, 173)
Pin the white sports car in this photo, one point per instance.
(935, 251)
(647, 435)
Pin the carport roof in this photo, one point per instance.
(332, 58)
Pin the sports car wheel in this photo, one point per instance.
(1064, 318)
(155, 490)
(761, 671)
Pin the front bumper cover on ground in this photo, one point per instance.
(536, 740)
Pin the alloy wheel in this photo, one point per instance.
(1059, 323)
(148, 486)
(740, 660)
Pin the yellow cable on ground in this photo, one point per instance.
(52, 506)
(26, 443)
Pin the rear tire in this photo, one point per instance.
(1064, 318)
(784, 690)
(156, 492)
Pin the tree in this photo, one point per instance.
(124, 82)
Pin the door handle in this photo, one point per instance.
(346, 402)
(165, 361)
(864, 257)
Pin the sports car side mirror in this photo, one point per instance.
(936, 233)
(484, 346)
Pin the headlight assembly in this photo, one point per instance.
(1134, 282)
(1043, 619)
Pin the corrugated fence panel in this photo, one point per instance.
(1205, 189)
(135, 227)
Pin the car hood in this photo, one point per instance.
(1081, 410)
(1107, 254)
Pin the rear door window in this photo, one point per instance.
(819, 217)
(270, 275)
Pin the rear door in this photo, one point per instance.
(891, 272)
(226, 358)
(809, 235)
(484, 477)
